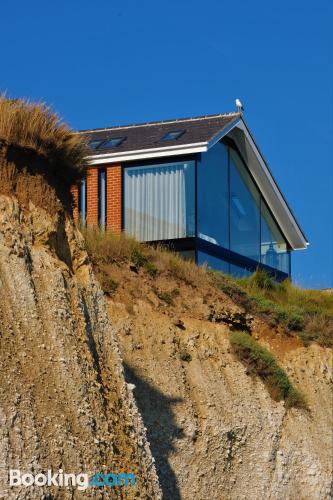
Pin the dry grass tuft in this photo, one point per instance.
(33, 126)
(35, 143)
(105, 247)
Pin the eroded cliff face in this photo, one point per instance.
(64, 403)
(214, 431)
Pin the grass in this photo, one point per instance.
(259, 361)
(36, 144)
(33, 126)
(305, 313)
(105, 247)
(167, 297)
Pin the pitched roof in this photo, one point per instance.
(150, 135)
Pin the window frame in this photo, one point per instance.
(104, 145)
(179, 133)
(160, 162)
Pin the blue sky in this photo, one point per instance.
(105, 62)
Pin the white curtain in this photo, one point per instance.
(155, 202)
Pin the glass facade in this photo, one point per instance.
(244, 210)
(213, 196)
(273, 248)
(233, 215)
(204, 259)
(159, 201)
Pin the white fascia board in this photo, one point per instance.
(223, 132)
(273, 196)
(142, 154)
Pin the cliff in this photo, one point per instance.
(215, 430)
(64, 403)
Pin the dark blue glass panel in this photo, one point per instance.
(274, 252)
(244, 210)
(172, 136)
(213, 197)
(239, 272)
(113, 142)
(204, 259)
(95, 144)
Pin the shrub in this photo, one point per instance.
(139, 259)
(262, 280)
(232, 288)
(167, 297)
(307, 313)
(291, 317)
(185, 356)
(261, 362)
(108, 284)
(151, 269)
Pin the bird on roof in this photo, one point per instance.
(239, 106)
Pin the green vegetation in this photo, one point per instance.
(167, 297)
(259, 361)
(108, 284)
(307, 313)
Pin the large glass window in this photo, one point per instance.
(213, 196)
(274, 252)
(160, 201)
(204, 259)
(232, 213)
(239, 272)
(244, 210)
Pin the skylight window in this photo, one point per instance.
(112, 142)
(94, 144)
(173, 135)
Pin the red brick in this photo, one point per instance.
(113, 193)
(92, 196)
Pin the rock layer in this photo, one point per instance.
(214, 431)
(64, 402)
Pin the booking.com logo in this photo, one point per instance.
(61, 479)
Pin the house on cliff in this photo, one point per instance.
(199, 185)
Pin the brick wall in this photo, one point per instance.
(113, 197)
(113, 194)
(92, 196)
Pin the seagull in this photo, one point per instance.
(239, 106)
